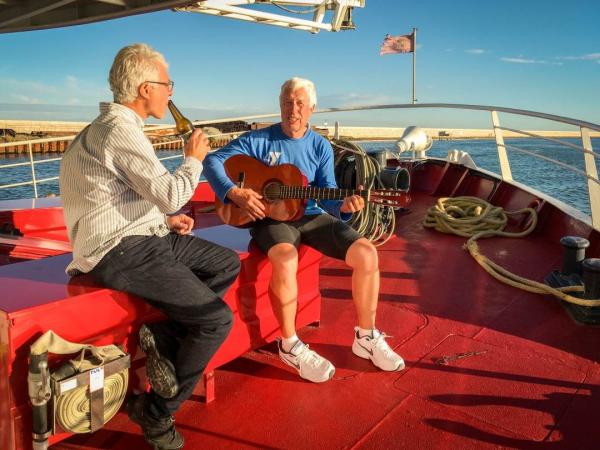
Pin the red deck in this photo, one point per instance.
(535, 382)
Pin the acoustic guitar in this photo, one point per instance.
(285, 191)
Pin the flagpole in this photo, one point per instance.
(414, 99)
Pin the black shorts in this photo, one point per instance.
(323, 232)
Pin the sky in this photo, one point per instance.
(535, 55)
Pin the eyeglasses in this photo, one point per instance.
(170, 84)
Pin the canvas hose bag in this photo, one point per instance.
(86, 392)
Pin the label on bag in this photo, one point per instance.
(68, 385)
(96, 379)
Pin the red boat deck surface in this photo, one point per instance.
(532, 382)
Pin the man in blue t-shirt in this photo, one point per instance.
(292, 141)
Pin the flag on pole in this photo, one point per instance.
(397, 44)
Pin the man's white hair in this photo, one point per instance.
(300, 83)
(132, 66)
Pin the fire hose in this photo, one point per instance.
(86, 391)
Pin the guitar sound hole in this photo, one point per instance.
(272, 191)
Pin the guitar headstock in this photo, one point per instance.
(390, 197)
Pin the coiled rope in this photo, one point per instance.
(374, 222)
(475, 218)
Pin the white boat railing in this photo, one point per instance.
(32, 163)
(584, 130)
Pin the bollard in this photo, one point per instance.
(573, 253)
(591, 278)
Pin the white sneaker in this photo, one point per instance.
(308, 363)
(378, 351)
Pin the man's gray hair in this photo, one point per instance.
(300, 83)
(132, 66)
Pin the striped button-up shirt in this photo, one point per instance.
(112, 185)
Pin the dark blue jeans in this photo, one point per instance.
(185, 277)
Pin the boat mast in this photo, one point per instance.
(414, 39)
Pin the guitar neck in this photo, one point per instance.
(319, 193)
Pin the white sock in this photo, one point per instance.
(288, 343)
(372, 332)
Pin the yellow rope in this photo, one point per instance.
(475, 218)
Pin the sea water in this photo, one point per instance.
(554, 180)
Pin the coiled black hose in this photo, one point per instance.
(354, 167)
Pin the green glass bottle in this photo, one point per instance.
(183, 125)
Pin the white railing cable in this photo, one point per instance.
(21, 183)
(21, 164)
(549, 139)
(521, 112)
(553, 161)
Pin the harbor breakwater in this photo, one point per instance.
(18, 136)
(53, 136)
(60, 144)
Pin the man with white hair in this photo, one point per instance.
(292, 141)
(120, 206)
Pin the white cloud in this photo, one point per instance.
(588, 57)
(26, 99)
(26, 87)
(475, 51)
(353, 99)
(521, 60)
(70, 90)
(72, 82)
(594, 56)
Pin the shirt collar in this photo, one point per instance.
(122, 111)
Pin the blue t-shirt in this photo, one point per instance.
(311, 153)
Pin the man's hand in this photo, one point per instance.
(197, 146)
(180, 224)
(353, 204)
(249, 201)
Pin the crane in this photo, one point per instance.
(328, 15)
(341, 12)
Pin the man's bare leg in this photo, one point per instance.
(283, 291)
(369, 343)
(362, 258)
(283, 288)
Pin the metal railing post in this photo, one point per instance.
(502, 156)
(592, 172)
(35, 192)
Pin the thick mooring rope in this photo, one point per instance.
(475, 218)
